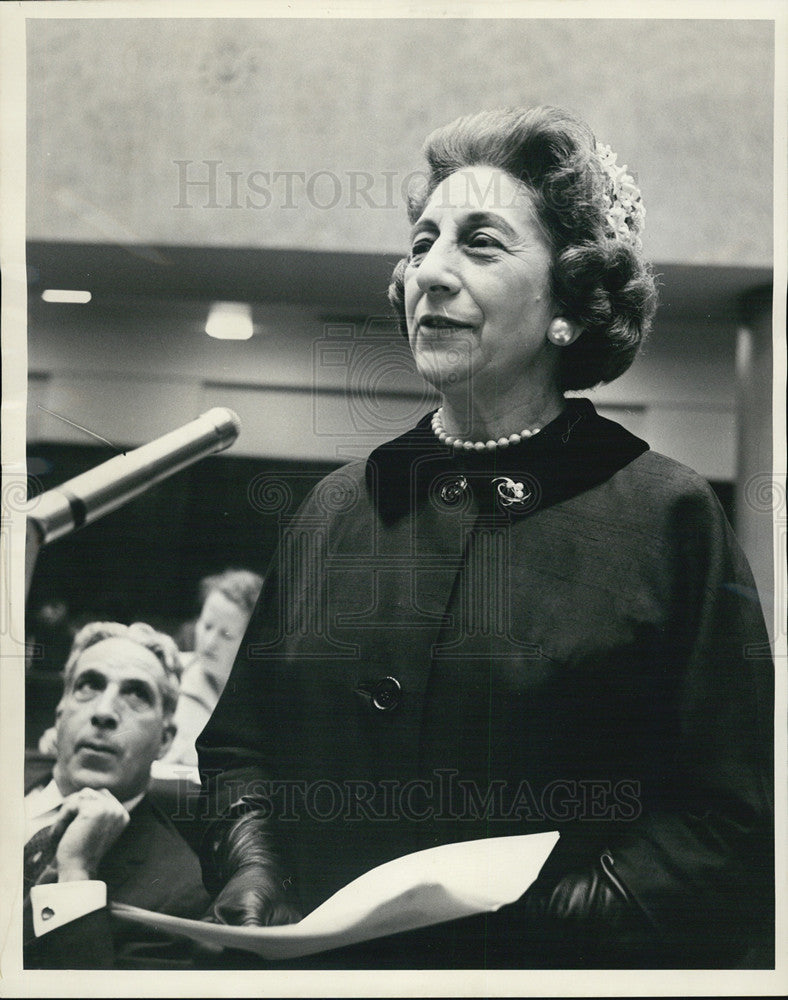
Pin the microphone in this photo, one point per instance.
(99, 491)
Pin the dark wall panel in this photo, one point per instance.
(143, 561)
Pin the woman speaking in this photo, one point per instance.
(513, 618)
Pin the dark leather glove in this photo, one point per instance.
(590, 897)
(584, 919)
(255, 889)
(253, 897)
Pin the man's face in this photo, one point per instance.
(111, 723)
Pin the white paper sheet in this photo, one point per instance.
(428, 887)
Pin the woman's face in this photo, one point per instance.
(477, 288)
(217, 635)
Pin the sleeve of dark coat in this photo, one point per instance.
(699, 860)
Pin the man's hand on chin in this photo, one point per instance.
(91, 821)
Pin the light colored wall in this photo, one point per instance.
(114, 103)
(310, 391)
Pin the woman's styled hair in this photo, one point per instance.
(599, 277)
(161, 645)
(241, 586)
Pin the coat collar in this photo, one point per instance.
(576, 451)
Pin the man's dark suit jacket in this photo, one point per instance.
(151, 866)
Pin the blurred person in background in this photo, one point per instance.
(228, 599)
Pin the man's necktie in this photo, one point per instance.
(40, 853)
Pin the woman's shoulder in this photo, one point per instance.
(335, 495)
(668, 476)
(393, 459)
(660, 487)
(336, 485)
(382, 479)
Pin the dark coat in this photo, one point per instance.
(430, 663)
(151, 866)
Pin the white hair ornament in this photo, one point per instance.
(625, 213)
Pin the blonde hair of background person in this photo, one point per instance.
(228, 600)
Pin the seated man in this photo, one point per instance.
(92, 834)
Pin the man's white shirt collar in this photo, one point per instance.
(42, 805)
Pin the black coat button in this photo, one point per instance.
(386, 694)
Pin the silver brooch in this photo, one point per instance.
(453, 491)
(511, 493)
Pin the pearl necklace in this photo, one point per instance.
(454, 442)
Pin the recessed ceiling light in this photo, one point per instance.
(71, 295)
(230, 321)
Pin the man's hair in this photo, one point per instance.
(601, 282)
(160, 644)
(241, 586)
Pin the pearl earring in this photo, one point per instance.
(559, 333)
